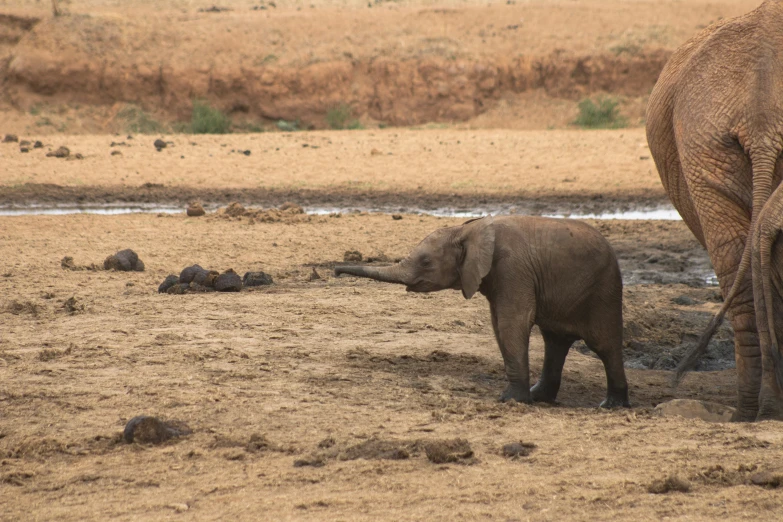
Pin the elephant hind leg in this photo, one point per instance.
(609, 349)
(555, 351)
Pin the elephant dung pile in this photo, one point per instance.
(195, 279)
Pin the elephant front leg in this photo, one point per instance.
(513, 336)
(555, 351)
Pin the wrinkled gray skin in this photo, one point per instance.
(559, 274)
(715, 130)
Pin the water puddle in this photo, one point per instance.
(658, 213)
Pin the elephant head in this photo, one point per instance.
(455, 257)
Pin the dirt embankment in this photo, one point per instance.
(104, 60)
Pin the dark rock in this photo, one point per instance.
(10, 138)
(78, 156)
(352, 256)
(396, 217)
(125, 261)
(256, 279)
(206, 278)
(116, 153)
(246, 152)
(684, 300)
(188, 274)
(178, 289)
(24, 149)
(24, 143)
(228, 281)
(168, 283)
(38, 145)
(152, 430)
(62, 152)
(159, 144)
(195, 210)
(518, 449)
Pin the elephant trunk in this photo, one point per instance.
(387, 274)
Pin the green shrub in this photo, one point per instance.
(139, 122)
(208, 120)
(337, 117)
(288, 126)
(601, 115)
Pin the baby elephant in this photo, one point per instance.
(557, 273)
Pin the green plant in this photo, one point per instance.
(205, 119)
(138, 121)
(355, 125)
(288, 126)
(337, 117)
(601, 115)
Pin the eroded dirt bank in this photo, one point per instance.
(396, 65)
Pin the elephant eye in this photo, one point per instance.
(425, 261)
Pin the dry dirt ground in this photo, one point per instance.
(349, 377)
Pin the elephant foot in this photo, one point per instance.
(515, 391)
(544, 391)
(743, 415)
(616, 399)
(770, 404)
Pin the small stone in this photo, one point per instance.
(10, 138)
(396, 217)
(125, 261)
(62, 152)
(228, 281)
(375, 152)
(684, 300)
(167, 283)
(251, 279)
(195, 210)
(116, 153)
(352, 256)
(151, 430)
(518, 449)
(24, 149)
(179, 508)
(766, 479)
(159, 144)
(24, 143)
(246, 152)
(78, 156)
(38, 145)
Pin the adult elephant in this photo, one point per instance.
(715, 130)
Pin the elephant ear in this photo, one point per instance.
(478, 247)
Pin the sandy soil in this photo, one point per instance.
(300, 362)
(393, 166)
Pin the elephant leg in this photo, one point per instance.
(720, 183)
(771, 394)
(555, 351)
(512, 333)
(610, 350)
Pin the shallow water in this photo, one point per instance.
(657, 213)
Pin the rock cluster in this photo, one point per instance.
(195, 279)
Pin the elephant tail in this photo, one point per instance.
(764, 236)
(694, 353)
